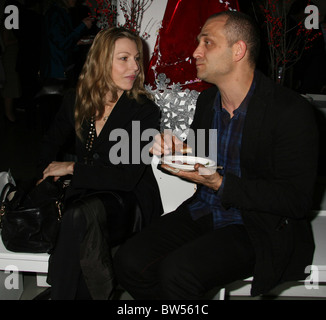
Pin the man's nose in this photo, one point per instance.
(198, 53)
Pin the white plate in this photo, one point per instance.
(186, 163)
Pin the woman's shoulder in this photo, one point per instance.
(144, 101)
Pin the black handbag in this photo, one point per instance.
(30, 222)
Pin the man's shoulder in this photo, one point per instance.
(281, 99)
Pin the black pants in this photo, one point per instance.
(65, 274)
(178, 258)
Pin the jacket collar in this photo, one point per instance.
(121, 115)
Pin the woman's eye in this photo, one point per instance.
(124, 58)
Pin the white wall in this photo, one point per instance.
(151, 21)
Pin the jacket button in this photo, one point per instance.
(96, 156)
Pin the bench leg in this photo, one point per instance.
(41, 280)
(220, 295)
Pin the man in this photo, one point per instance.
(248, 219)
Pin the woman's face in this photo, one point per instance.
(125, 66)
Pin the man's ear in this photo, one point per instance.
(239, 50)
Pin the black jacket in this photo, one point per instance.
(278, 159)
(104, 175)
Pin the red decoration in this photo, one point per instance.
(104, 12)
(284, 50)
(177, 40)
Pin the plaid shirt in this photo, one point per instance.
(226, 152)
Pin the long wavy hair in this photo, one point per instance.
(95, 79)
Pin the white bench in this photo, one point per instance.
(17, 263)
(314, 286)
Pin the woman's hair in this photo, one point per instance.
(95, 79)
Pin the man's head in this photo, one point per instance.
(226, 38)
(239, 26)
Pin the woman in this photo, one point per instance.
(110, 96)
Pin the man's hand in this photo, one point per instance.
(166, 143)
(202, 175)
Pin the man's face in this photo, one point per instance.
(213, 54)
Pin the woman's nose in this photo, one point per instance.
(135, 65)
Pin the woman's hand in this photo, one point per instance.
(58, 169)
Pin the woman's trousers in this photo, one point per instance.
(80, 266)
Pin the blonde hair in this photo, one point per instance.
(95, 79)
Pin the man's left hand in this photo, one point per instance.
(201, 175)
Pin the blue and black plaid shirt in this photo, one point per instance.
(226, 152)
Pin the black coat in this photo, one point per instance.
(104, 175)
(278, 160)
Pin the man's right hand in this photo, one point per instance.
(167, 143)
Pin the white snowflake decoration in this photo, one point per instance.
(177, 105)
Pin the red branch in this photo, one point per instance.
(132, 10)
(284, 50)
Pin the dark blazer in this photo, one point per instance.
(279, 152)
(104, 175)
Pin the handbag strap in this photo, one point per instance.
(9, 187)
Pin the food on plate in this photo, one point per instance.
(185, 149)
(188, 163)
(179, 162)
